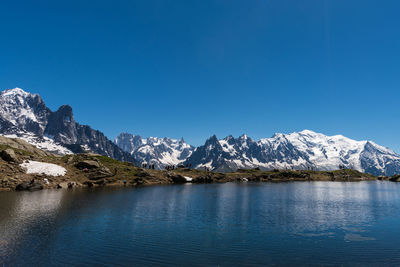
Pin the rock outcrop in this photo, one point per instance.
(87, 164)
(9, 155)
(29, 186)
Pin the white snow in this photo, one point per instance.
(302, 150)
(159, 151)
(37, 167)
(227, 147)
(208, 165)
(15, 91)
(44, 143)
(188, 179)
(15, 108)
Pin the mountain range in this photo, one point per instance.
(25, 115)
(299, 150)
(153, 150)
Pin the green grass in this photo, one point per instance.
(16, 150)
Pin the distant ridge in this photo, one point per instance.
(153, 150)
(299, 150)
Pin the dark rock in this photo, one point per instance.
(100, 183)
(143, 174)
(59, 186)
(31, 186)
(138, 181)
(9, 155)
(177, 179)
(87, 164)
(88, 183)
(100, 173)
(203, 179)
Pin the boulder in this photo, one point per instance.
(87, 164)
(99, 173)
(9, 155)
(178, 179)
(138, 181)
(31, 186)
(88, 183)
(203, 179)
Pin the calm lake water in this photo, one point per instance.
(298, 223)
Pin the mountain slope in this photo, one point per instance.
(25, 115)
(158, 151)
(298, 150)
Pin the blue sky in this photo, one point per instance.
(197, 68)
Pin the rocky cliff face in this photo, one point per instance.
(22, 112)
(26, 116)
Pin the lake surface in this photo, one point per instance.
(297, 223)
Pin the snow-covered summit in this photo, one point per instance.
(298, 150)
(22, 110)
(26, 116)
(15, 91)
(153, 150)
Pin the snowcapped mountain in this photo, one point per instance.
(298, 150)
(158, 151)
(25, 115)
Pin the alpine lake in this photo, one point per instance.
(230, 224)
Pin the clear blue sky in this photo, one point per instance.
(197, 68)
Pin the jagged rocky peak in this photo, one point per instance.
(243, 137)
(62, 126)
(15, 92)
(128, 142)
(298, 150)
(22, 110)
(229, 137)
(25, 115)
(153, 150)
(212, 141)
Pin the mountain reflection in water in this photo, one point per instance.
(215, 224)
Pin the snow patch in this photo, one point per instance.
(44, 143)
(36, 167)
(188, 179)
